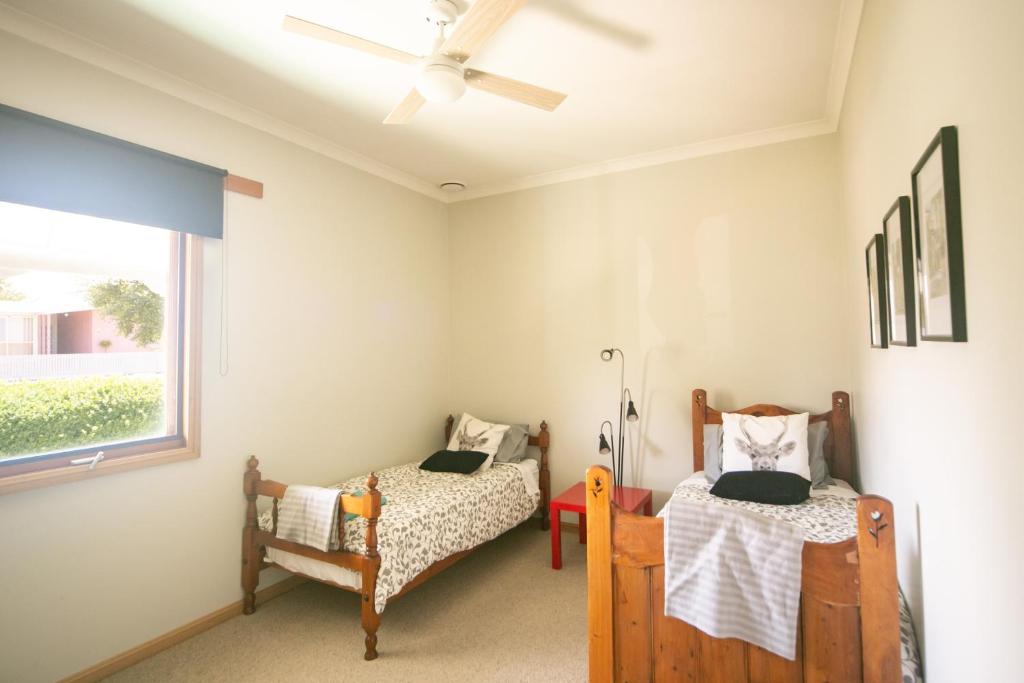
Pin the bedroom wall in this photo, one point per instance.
(934, 424)
(718, 272)
(338, 305)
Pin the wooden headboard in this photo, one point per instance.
(838, 445)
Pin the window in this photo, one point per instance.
(101, 313)
(16, 335)
(97, 349)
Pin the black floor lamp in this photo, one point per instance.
(627, 412)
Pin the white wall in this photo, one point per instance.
(739, 273)
(338, 301)
(717, 272)
(936, 425)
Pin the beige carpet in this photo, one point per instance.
(501, 614)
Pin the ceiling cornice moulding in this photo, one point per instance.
(842, 57)
(55, 38)
(655, 158)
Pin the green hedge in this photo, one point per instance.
(51, 414)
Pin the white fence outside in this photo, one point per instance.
(79, 364)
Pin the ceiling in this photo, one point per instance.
(647, 82)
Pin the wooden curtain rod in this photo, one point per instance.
(236, 183)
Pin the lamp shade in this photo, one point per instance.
(602, 446)
(631, 414)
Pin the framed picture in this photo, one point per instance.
(874, 256)
(938, 235)
(899, 274)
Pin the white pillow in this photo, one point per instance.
(765, 443)
(472, 434)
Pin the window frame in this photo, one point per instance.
(143, 452)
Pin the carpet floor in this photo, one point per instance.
(500, 614)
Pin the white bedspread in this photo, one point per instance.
(429, 516)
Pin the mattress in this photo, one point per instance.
(428, 516)
(829, 516)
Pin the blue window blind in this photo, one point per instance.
(54, 165)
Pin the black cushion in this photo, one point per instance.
(461, 462)
(777, 488)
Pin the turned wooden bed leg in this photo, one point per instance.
(371, 565)
(879, 591)
(371, 622)
(543, 440)
(250, 553)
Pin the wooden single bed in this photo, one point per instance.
(849, 609)
(255, 540)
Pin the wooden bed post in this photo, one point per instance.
(599, 574)
(879, 590)
(543, 440)
(842, 443)
(250, 553)
(371, 565)
(699, 413)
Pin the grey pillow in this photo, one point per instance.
(513, 446)
(817, 432)
(712, 452)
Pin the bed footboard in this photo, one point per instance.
(849, 614)
(255, 541)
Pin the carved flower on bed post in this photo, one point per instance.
(876, 525)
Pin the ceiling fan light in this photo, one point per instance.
(441, 83)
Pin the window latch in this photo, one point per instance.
(91, 462)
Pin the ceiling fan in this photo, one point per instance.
(442, 75)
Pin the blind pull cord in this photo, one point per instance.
(224, 292)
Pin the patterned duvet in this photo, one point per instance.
(431, 515)
(827, 517)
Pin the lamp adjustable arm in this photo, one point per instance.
(607, 355)
(627, 413)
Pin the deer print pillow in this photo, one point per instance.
(774, 444)
(472, 434)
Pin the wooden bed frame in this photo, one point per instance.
(849, 607)
(255, 541)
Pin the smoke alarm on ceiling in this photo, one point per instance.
(453, 186)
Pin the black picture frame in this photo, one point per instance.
(899, 273)
(939, 247)
(874, 261)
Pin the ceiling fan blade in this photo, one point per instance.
(533, 95)
(311, 30)
(406, 108)
(480, 22)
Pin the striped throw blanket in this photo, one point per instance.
(309, 515)
(733, 573)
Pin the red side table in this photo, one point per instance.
(574, 499)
